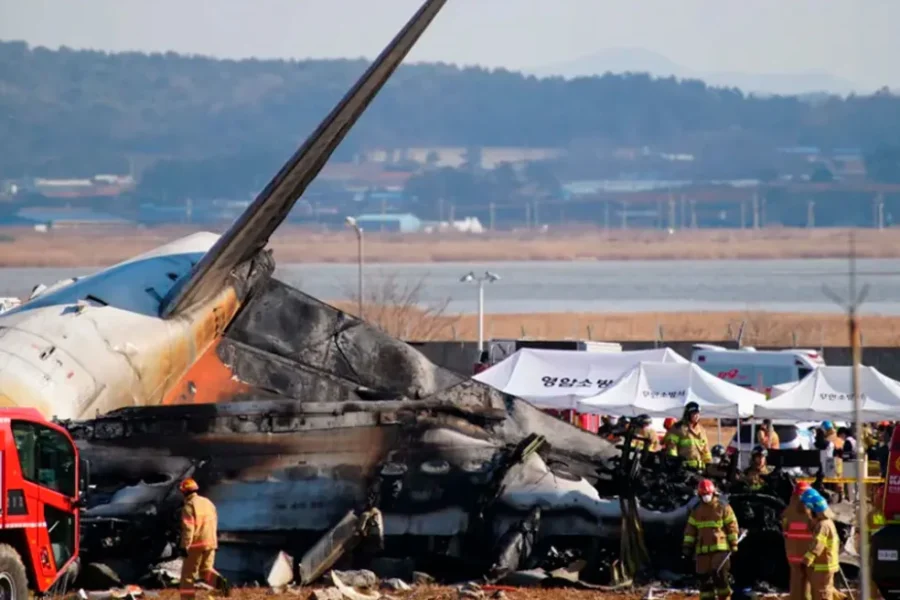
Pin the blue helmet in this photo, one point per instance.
(814, 501)
(827, 425)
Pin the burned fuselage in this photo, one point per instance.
(318, 413)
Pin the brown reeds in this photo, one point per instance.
(21, 247)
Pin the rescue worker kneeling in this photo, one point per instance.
(199, 541)
(821, 556)
(711, 533)
(797, 527)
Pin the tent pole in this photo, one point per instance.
(719, 431)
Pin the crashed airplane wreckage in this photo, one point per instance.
(193, 360)
(319, 414)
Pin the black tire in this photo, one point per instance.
(13, 581)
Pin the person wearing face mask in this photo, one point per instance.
(711, 533)
(689, 437)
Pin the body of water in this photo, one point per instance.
(608, 286)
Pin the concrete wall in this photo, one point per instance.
(461, 356)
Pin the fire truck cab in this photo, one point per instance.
(41, 485)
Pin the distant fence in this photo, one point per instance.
(461, 356)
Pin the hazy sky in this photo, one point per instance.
(854, 39)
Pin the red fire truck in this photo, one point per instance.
(42, 482)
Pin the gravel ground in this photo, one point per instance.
(451, 593)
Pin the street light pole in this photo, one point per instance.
(488, 277)
(359, 263)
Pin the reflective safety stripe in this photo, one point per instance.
(693, 463)
(689, 539)
(720, 547)
(796, 560)
(731, 537)
(729, 519)
(830, 567)
(28, 525)
(707, 524)
(689, 441)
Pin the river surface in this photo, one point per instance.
(588, 286)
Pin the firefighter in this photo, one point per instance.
(199, 541)
(796, 524)
(692, 444)
(755, 474)
(711, 533)
(821, 556)
(767, 437)
(670, 439)
(831, 436)
(641, 428)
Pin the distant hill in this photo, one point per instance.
(66, 113)
(640, 60)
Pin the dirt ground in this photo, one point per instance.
(80, 246)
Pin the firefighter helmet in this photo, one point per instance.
(642, 420)
(691, 408)
(705, 487)
(801, 487)
(759, 451)
(188, 485)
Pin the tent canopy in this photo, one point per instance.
(559, 378)
(660, 389)
(827, 394)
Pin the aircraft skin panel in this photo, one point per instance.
(208, 380)
(107, 327)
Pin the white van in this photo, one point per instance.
(756, 369)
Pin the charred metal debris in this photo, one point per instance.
(349, 449)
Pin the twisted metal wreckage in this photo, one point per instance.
(299, 420)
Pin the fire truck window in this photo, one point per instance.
(46, 456)
(24, 436)
(61, 527)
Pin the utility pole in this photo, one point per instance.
(743, 214)
(624, 209)
(527, 215)
(693, 203)
(755, 210)
(489, 278)
(491, 216)
(359, 263)
(810, 214)
(671, 213)
(852, 308)
(534, 214)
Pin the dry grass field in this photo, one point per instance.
(810, 330)
(22, 247)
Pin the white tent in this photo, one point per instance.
(827, 394)
(559, 378)
(659, 389)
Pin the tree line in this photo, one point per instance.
(77, 112)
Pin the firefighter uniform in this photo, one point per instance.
(821, 556)
(755, 474)
(670, 441)
(199, 539)
(767, 439)
(797, 527)
(693, 446)
(711, 533)
(643, 430)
